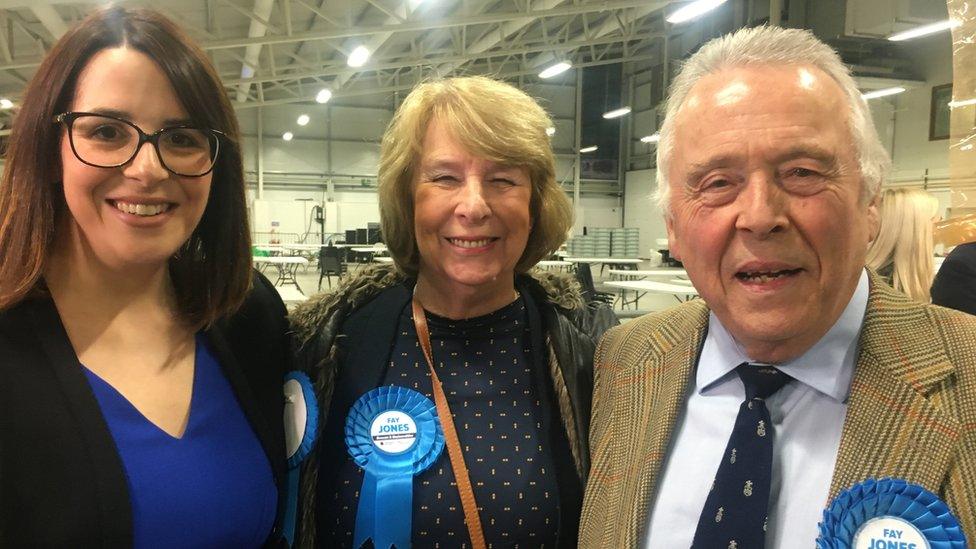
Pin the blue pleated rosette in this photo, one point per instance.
(386, 498)
(889, 498)
(300, 432)
(301, 427)
(430, 441)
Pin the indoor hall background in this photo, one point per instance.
(282, 59)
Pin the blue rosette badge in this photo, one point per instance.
(301, 427)
(879, 514)
(392, 433)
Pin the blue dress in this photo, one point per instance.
(213, 487)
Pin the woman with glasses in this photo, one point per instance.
(141, 358)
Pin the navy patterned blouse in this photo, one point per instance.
(485, 364)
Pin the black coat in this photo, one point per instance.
(62, 482)
(955, 285)
(357, 325)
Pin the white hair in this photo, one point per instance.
(773, 46)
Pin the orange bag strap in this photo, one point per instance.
(450, 434)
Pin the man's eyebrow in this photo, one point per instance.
(698, 170)
(811, 151)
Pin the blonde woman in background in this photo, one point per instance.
(902, 252)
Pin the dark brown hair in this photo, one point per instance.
(211, 272)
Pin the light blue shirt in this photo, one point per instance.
(808, 416)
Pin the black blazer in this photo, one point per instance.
(955, 284)
(61, 478)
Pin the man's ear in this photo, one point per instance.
(674, 249)
(874, 217)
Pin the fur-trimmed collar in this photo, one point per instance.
(307, 319)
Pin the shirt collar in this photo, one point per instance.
(828, 366)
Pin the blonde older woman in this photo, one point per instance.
(469, 203)
(902, 252)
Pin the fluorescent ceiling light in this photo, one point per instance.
(693, 10)
(287, 136)
(553, 70)
(882, 93)
(550, 131)
(952, 104)
(924, 30)
(303, 120)
(358, 57)
(588, 149)
(653, 138)
(616, 113)
(6, 103)
(323, 96)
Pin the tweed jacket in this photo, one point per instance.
(367, 307)
(911, 411)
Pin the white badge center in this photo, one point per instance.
(393, 432)
(889, 532)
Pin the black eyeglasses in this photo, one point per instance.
(109, 142)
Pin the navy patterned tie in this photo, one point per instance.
(734, 516)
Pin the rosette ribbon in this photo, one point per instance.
(894, 501)
(386, 498)
(301, 426)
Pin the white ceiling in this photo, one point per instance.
(271, 52)
(282, 52)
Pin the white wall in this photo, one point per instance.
(356, 210)
(291, 208)
(913, 152)
(311, 156)
(640, 210)
(602, 211)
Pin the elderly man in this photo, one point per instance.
(733, 421)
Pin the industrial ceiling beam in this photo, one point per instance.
(608, 27)
(425, 25)
(335, 70)
(366, 90)
(409, 26)
(376, 41)
(252, 54)
(49, 17)
(505, 29)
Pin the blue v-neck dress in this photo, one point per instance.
(212, 487)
